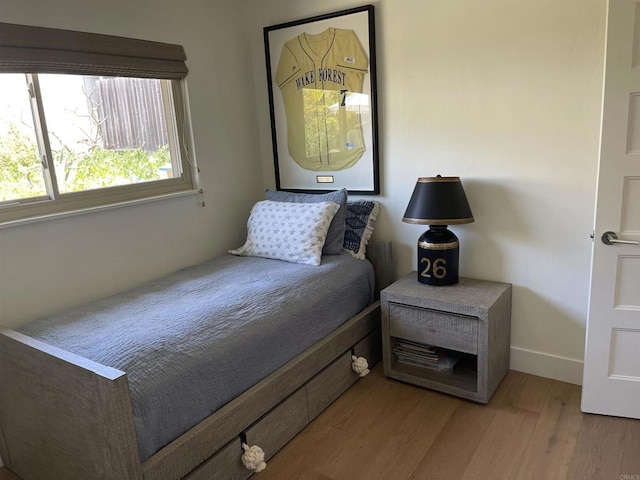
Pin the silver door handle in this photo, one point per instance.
(609, 238)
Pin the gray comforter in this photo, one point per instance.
(193, 341)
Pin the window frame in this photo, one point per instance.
(29, 50)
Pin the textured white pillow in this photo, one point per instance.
(293, 232)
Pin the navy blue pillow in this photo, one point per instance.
(361, 214)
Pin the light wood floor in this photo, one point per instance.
(531, 429)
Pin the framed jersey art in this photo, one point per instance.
(321, 74)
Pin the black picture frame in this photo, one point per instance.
(324, 138)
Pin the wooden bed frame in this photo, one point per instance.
(65, 417)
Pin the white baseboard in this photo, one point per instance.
(546, 365)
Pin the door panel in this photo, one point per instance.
(631, 202)
(624, 345)
(611, 383)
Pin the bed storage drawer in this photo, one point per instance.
(270, 433)
(370, 347)
(225, 464)
(280, 425)
(335, 379)
(329, 384)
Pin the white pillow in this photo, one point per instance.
(293, 232)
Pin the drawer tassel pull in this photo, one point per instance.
(359, 365)
(253, 458)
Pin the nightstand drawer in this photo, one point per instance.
(432, 327)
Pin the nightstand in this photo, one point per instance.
(470, 321)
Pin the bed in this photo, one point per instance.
(65, 416)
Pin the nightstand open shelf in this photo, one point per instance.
(464, 376)
(471, 318)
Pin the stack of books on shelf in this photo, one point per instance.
(426, 356)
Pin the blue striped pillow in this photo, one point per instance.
(360, 217)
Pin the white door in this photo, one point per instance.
(611, 384)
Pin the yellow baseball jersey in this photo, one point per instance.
(321, 78)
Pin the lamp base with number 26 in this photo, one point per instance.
(438, 254)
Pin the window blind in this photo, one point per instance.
(28, 49)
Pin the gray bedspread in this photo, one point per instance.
(193, 341)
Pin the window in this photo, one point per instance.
(88, 120)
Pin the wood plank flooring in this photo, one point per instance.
(7, 475)
(531, 429)
(388, 430)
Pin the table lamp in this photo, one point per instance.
(438, 202)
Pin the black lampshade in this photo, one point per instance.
(438, 201)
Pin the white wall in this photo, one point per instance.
(505, 94)
(49, 266)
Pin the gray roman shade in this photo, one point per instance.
(27, 49)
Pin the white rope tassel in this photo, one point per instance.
(360, 365)
(253, 458)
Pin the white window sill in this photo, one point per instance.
(99, 208)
